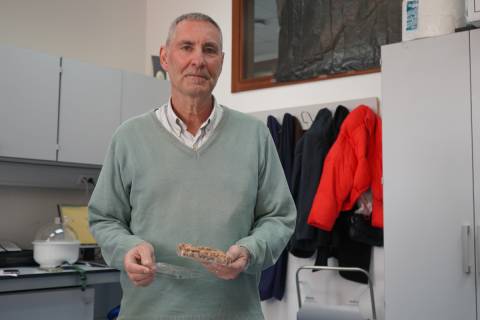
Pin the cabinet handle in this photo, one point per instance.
(476, 257)
(466, 248)
(477, 229)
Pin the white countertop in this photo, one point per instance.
(32, 271)
(32, 278)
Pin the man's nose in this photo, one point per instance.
(198, 58)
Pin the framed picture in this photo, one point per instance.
(280, 42)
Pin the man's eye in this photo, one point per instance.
(211, 50)
(186, 48)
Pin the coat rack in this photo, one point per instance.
(306, 114)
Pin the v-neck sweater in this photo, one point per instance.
(232, 190)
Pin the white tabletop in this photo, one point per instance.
(32, 278)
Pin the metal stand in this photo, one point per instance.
(372, 298)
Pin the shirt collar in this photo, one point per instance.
(179, 127)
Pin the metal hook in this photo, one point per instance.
(302, 116)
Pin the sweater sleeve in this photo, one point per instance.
(109, 207)
(274, 214)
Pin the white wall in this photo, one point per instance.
(159, 16)
(109, 33)
(24, 210)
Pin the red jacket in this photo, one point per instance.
(352, 166)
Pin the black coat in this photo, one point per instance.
(310, 153)
(272, 281)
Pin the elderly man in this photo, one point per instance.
(192, 171)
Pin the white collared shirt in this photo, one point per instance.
(178, 128)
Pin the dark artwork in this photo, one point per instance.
(325, 37)
(157, 68)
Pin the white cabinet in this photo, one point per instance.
(57, 295)
(430, 170)
(141, 94)
(72, 304)
(475, 84)
(89, 111)
(59, 109)
(472, 11)
(93, 103)
(28, 104)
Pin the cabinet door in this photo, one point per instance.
(428, 187)
(89, 111)
(141, 94)
(72, 304)
(28, 104)
(475, 70)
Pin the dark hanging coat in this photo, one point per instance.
(310, 153)
(272, 281)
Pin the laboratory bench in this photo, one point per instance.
(78, 292)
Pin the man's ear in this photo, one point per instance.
(221, 64)
(163, 58)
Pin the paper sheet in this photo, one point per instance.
(76, 217)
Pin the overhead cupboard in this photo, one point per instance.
(63, 110)
(431, 168)
(472, 11)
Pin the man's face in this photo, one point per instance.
(193, 58)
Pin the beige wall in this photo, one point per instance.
(109, 33)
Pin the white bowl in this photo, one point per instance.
(51, 254)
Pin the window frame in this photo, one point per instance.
(239, 83)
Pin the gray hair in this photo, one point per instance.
(193, 16)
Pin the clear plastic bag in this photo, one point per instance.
(177, 272)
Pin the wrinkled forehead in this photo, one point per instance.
(197, 31)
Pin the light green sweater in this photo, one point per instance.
(232, 190)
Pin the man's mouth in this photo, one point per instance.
(202, 76)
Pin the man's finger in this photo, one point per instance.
(143, 282)
(140, 276)
(239, 255)
(210, 267)
(136, 268)
(147, 257)
(233, 252)
(139, 259)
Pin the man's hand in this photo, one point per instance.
(139, 263)
(240, 258)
